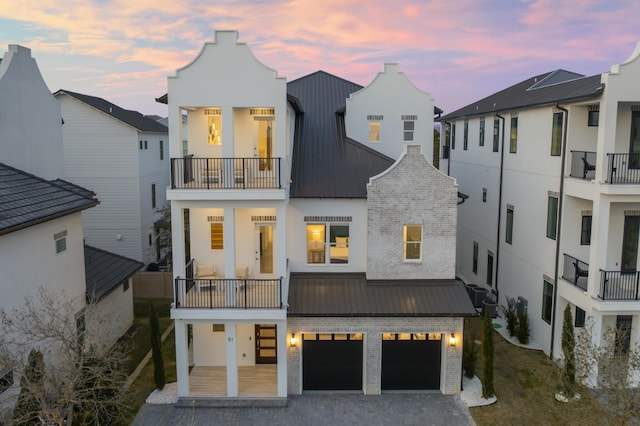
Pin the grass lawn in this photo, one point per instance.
(525, 382)
(140, 344)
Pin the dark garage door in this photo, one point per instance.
(411, 361)
(332, 362)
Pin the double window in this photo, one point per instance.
(375, 125)
(412, 242)
(409, 127)
(327, 241)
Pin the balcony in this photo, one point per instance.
(191, 293)
(623, 168)
(583, 165)
(576, 272)
(617, 285)
(225, 173)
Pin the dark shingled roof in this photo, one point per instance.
(104, 271)
(544, 89)
(132, 118)
(350, 294)
(325, 163)
(27, 200)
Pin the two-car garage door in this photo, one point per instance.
(335, 361)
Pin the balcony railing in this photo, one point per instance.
(617, 285)
(223, 293)
(225, 173)
(583, 165)
(623, 168)
(576, 272)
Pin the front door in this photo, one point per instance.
(266, 344)
(634, 145)
(630, 243)
(265, 144)
(264, 250)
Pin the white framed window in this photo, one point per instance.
(60, 239)
(374, 131)
(412, 242)
(214, 125)
(409, 127)
(217, 234)
(327, 243)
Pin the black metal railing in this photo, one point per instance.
(191, 293)
(617, 285)
(225, 173)
(576, 272)
(583, 165)
(623, 168)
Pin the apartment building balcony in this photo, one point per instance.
(622, 168)
(226, 173)
(619, 285)
(191, 293)
(576, 272)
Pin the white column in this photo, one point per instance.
(182, 358)
(232, 360)
(598, 248)
(281, 247)
(227, 133)
(230, 253)
(281, 328)
(177, 239)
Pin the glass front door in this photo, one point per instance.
(265, 144)
(264, 249)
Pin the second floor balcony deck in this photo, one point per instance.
(225, 173)
(614, 285)
(622, 168)
(192, 293)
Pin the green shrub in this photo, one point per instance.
(469, 355)
(156, 349)
(487, 356)
(511, 315)
(523, 332)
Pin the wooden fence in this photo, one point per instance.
(153, 285)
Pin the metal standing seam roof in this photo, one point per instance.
(350, 294)
(544, 89)
(132, 118)
(325, 163)
(27, 200)
(104, 271)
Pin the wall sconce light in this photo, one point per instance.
(293, 340)
(453, 340)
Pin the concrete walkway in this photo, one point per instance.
(332, 409)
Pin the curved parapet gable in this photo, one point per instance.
(391, 112)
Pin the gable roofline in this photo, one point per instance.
(105, 271)
(571, 87)
(131, 118)
(70, 198)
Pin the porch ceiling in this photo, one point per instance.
(312, 294)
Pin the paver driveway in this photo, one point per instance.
(332, 409)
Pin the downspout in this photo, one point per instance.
(559, 227)
(499, 206)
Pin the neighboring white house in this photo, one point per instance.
(552, 169)
(122, 156)
(296, 246)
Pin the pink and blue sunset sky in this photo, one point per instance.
(457, 50)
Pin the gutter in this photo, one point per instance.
(559, 227)
(499, 205)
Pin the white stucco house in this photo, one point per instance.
(313, 240)
(553, 216)
(123, 156)
(41, 235)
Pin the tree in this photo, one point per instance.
(156, 349)
(436, 148)
(469, 355)
(612, 368)
(162, 228)
(487, 356)
(522, 330)
(568, 351)
(26, 411)
(83, 380)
